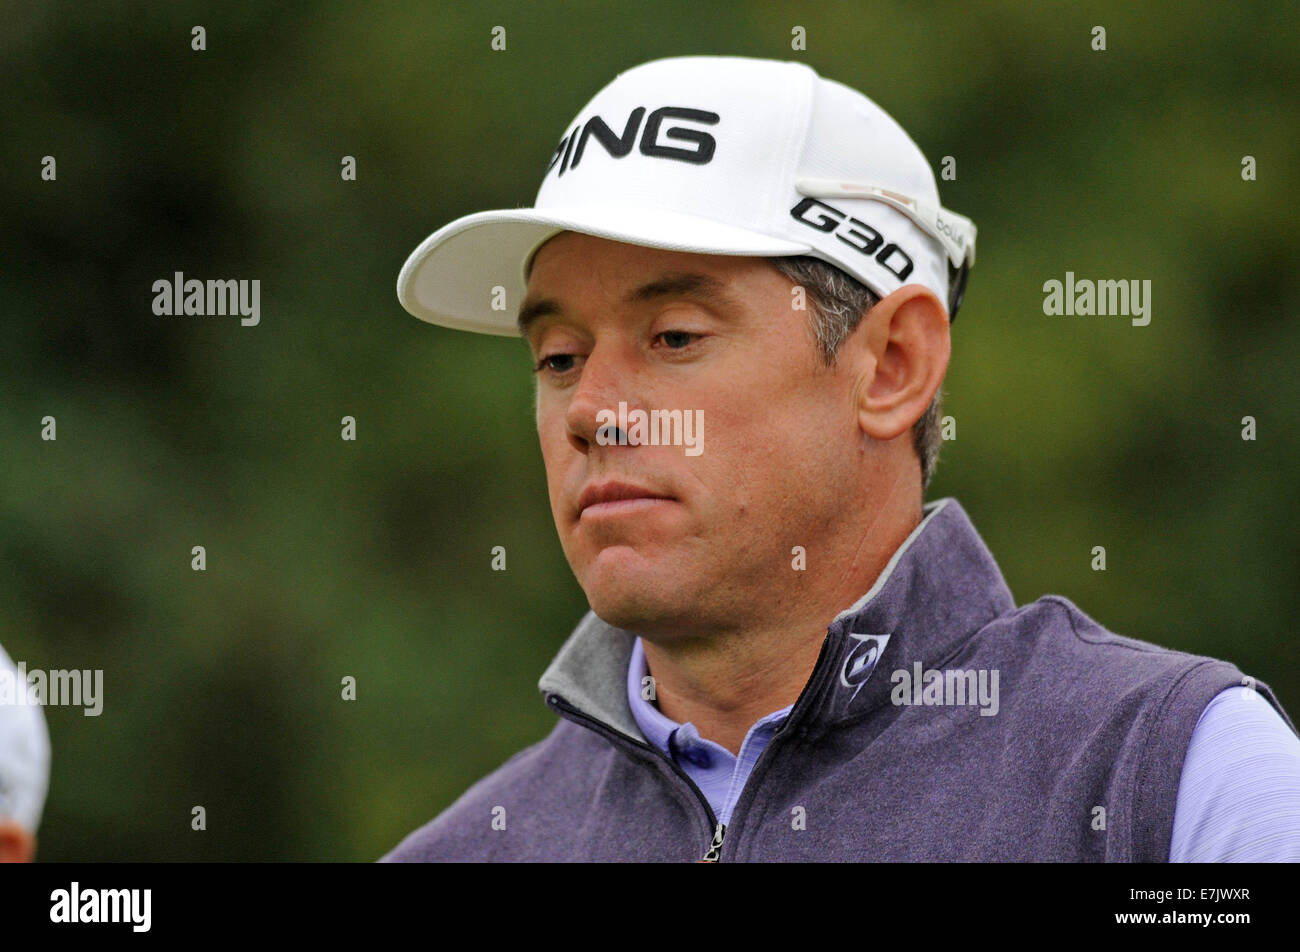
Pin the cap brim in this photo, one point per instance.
(452, 277)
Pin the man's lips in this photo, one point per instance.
(612, 497)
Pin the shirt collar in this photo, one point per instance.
(657, 726)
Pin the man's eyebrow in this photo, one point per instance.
(690, 284)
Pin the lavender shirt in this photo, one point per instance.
(1238, 796)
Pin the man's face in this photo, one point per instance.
(718, 334)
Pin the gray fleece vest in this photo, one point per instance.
(899, 747)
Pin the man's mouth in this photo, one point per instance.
(612, 497)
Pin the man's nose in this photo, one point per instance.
(603, 381)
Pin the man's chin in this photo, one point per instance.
(631, 592)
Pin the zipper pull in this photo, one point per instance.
(715, 848)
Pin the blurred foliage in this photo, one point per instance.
(328, 558)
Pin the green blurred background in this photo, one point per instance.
(372, 558)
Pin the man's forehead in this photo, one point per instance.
(665, 275)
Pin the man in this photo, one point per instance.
(788, 655)
(24, 765)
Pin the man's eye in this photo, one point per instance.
(676, 340)
(556, 363)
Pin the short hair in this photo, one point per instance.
(839, 302)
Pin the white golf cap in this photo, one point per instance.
(24, 750)
(714, 155)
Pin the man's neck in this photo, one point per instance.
(724, 693)
(724, 685)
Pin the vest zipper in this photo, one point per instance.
(713, 854)
(715, 848)
(811, 690)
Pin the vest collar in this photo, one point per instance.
(940, 587)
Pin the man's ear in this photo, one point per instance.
(900, 351)
(16, 844)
